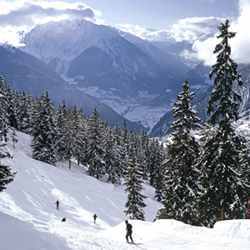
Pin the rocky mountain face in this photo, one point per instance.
(135, 77)
(24, 72)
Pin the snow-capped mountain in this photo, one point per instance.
(124, 71)
(27, 73)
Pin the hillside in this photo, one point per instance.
(27, 209)
(26, 73)
(127, 73)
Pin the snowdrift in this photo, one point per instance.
(29, 219)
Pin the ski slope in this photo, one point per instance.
(29, 219)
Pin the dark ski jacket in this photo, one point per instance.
(129, 228)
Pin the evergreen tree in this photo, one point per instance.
(24, 115)
(79, 127)
(224, 102)
(112, 158)
(12, 108)
(222, 161)
(44, 131)
(180, 189)
(95, 150)
(159, 173)
(133, 182)
(6, 176)
(4, 121)
(61, 133)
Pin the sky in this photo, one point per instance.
(191, 20)
(157, 14)
(161, 13)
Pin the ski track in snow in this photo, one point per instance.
(28, 211)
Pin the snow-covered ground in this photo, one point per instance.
(30, 221)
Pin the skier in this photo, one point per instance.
(129, 232)
(63, 219)
(95, 217)
(57, 204)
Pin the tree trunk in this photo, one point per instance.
(221, 214)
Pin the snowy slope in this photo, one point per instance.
(26, 237)
(28, 214)
(31, 197)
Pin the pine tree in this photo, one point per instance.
(180, 189)
(224, 102)
(61, 133)
(221, 162)
(12, 109)
(24, 115)
(112, 159)
(79, 127)
(95, 149)
(158, 182)
(4, 121)
(44, 131)
(6, 176)
(133, 182)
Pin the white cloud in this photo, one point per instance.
(194, 28)
(22, 15)
(145, 33)
(187, 29)
(240, 43)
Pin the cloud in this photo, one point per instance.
(29, 14)
(240, 43)
(145, 33)
(187, 29)
(194, 28)
(22, 15)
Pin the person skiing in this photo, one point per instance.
(129, 232)
(95, 217)
(57, 204)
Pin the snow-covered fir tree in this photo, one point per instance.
(44, 131)
(133, 182)
(79, 139)
(61, 133)
(113, 166)
(6, 176)
(95, 147)
(24, 115)
(4, 106)
(224, 102)
(13, 109)
(180, 189)
(158, 180)
(222, 162)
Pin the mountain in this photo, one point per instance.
(201, 97)
(27, 73)
(123, 71)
